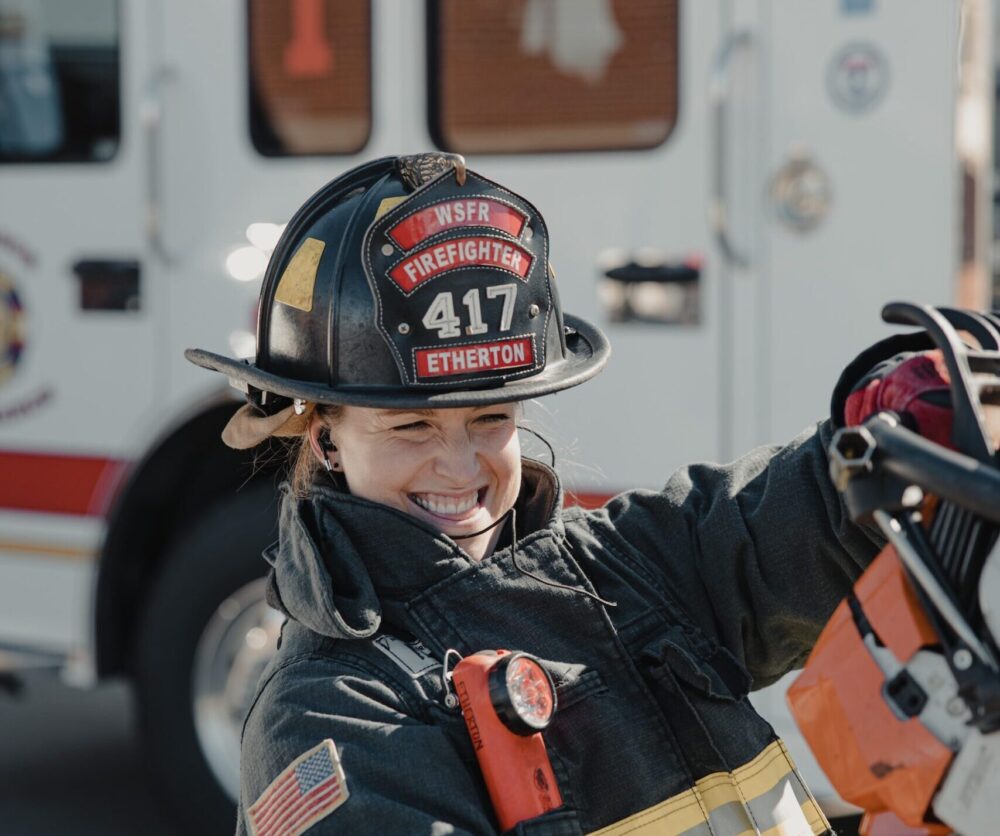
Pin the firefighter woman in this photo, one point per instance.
(407, 311)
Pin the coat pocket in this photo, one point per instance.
(698, 662)
(573, 682)
(561, 822)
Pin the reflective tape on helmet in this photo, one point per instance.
(511, 353)
(449, 214)
(295, 288)
(388, 203)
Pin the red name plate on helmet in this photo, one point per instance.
(435, 259)
(448, 214)
(503, 354)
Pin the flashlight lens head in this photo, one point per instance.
(530, 692)
(522, 693)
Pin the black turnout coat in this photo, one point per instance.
(721, 582)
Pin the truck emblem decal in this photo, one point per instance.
(11, 328)
(858, 77)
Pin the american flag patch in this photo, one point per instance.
(309, 788)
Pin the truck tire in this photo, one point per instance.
(204, 637)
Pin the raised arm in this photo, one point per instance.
(758, 552)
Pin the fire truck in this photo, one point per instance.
(732, 190)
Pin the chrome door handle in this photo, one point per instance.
(719, 97)
(151, 117)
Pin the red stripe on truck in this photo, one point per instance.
(58, 484)
(86, 485)
(587, 500)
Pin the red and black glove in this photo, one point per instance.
(914, 386)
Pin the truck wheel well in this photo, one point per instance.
(179, 480)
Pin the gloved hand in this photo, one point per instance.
(913, 385)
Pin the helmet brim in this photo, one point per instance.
(587, 352)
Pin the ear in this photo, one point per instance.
(315, 431)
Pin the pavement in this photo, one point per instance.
(70, 763)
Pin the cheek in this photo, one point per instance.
(508, 467)
(379, 472)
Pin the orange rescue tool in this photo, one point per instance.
(875, 759)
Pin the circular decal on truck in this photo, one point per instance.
(11, 328)
(858, 77)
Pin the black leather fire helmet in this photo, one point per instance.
(410, 282)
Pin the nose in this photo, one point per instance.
(457, 459)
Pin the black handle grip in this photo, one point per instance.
(677, 273)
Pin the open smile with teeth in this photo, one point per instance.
(444, 505)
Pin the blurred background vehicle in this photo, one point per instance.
(733, 190)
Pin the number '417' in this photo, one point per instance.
(441, 315)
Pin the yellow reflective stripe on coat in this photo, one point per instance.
(768, 786)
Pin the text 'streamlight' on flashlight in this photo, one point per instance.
(507, 699)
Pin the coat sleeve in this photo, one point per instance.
(758, 553)
(401, 775)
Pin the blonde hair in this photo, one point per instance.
(305, 465)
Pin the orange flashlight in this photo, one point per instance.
(507, 699)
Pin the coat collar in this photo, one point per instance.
(338, 556)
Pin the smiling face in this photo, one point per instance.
(457, 469)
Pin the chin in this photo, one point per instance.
(478, 549)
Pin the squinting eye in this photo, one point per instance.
(416, 425)
(498, 418)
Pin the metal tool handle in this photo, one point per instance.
(719, 97)
(896, 534)
(948, 474)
